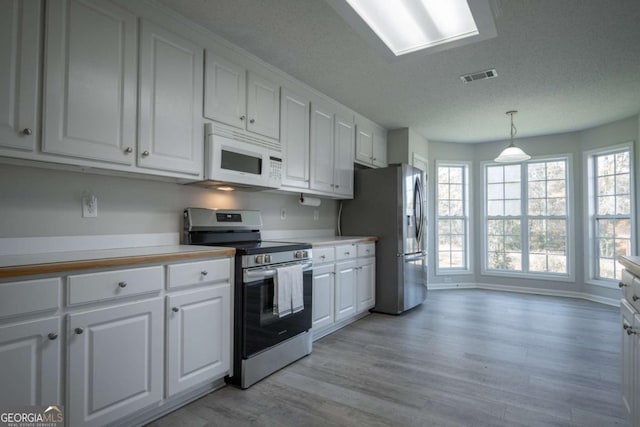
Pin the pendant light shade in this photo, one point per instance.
(512, 154)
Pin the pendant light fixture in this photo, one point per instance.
(512, 153)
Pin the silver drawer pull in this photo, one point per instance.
(78, 331)
(175, 309)
(27, 131)
(204, 272)
(52, 336)
(122, 284)
(622, 285)
(635, 297)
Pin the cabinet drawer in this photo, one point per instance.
(366, 249)
(84, 288)
(324, 254)
(193, 273)
(346, 252)
(30, 296)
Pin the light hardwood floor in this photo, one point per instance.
(464, 358)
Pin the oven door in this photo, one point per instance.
(261, 328)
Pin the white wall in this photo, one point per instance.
(574, 144)
(42, 202)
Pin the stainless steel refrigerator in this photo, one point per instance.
(388, 203)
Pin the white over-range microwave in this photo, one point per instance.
(237, 159)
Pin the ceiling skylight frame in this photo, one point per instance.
(481, 12)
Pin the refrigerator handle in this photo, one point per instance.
(417, 209)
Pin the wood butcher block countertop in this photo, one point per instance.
(631, 263)
(58, 262)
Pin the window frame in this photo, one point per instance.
(468, 204)
(569, 276)
(589, 194)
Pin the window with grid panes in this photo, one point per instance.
(452, 216)
(612, 219)
(527, 217)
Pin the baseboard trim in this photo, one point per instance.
(524, 290)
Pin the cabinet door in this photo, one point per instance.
(294, 137)
(323, 296)
(224, 91)
(199, 337)
(263, 106)
(629, 353)
(171, 132)
(379, 149)
(30, 363)
(345, 290)
(366, 279)
(90, 89)
(115, 361)
(321, 148)
(635, 383)
(364, 144)
(20, 57)
(344, 136)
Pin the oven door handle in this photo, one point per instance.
(265, 273)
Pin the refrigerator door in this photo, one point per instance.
(413, 216)
(415, 290)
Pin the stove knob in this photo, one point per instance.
(267, 258)
(259, 259)
(305, 254)
(297, 254)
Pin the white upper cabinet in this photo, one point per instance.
(263, 106)
(294, 138)
(251, 103)
(379, 148)
(321, 142)
(343, 163)
(20, 57)
(170, 128)
(371, 144)
(224, 91)
(90, 85)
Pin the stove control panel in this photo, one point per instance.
(301, 254)
(282, 257)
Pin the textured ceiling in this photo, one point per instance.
(565, 65)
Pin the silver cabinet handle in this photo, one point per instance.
(27, 131)
(52, 336)
(122, 284)
(78, 331)
(204, 272)
(347, 253)
(175, 309)
(337, 186)
(243, 117)
(630, 331)
(128, 150)
(322, 256)
(622, 285)
(635, 297)
(145, 153)
(252, 120)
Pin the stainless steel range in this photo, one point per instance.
(264, 339)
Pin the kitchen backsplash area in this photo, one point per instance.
(37, 202)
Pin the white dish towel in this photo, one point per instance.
(287, 292)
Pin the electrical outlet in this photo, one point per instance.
(283, 213)
(89, 206)
(316, 214)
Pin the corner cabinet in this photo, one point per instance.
(20, 54)
(371, 144)
(170, 128)
(343, 285)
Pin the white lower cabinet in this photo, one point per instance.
(345, 289)
(323, 296)
(115, 361)
(343, 285)
(630, 330)
(198, 337)
(30, 362)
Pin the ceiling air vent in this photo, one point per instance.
(479, 75)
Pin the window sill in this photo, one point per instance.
(529, 276)
(453, 273)
(603, 283)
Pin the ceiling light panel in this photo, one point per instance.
(406, 26)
